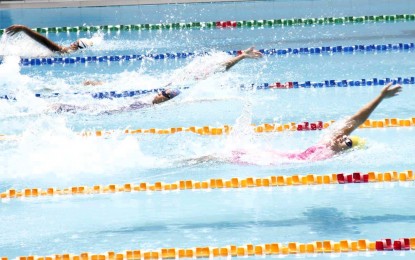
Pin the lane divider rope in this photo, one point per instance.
(263, 128)
(232, 24)
(218, 183)
(226, 129)
(320, 247)
(279, 52)
(275, 85)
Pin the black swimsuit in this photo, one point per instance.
(66, 108)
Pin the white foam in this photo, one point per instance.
(50, 149)
(23, 46)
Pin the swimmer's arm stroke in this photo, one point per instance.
(363, 114)
(248, 53)
(12, 30)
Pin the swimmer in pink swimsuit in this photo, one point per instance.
(339, 141)
(313, 153)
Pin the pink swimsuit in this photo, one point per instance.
(314, 153)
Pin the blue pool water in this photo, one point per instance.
(49, 151)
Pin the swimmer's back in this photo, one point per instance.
(314, 153)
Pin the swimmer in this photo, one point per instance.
(341, 139)
(169, 93)
(162, 96)
(79, 44)
(338, 142)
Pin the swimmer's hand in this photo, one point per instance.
(12, 30)
(252, 53)
(93, 83)
(389, 91)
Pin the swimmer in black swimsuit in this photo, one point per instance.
(68, 108)
(79, 44)
(162, 96)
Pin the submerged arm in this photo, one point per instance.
(12, 30)
(363, 114)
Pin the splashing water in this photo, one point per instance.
(201, 67)
(17, 85)
(52, 150)
(23, 46)
(98, 39)
(244, 147)
(10, 73)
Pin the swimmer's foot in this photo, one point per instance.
(93, 83)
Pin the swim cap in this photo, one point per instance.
(172, 93)
(357, 142)
(84, 43)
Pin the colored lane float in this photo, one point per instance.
(337, 83)
(219, 183)
(275, 85)
(315, 247)
(226, 129)
(263, 128)
(162, 56)
(324, 246)
(232, 24)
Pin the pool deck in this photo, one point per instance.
(83, 3)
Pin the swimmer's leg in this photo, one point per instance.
(203, 159)
(65, 108)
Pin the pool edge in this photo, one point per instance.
(95, 3)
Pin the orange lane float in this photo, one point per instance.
(226, 129)
(263, 128)
(219, 183)
(316, 247)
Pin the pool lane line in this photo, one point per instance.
(217, 183)
(226, 129)
(263, 128)
(111, 59)
(232, 24)
(275, 85)
(315, 247)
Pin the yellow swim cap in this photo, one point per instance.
(357, 142)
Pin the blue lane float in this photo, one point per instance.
(182, 55)
(336, 83)
(276, 85)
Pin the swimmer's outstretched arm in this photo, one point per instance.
(360, 117)
(12, 30)
(248, 53)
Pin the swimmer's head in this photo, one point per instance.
(353, 142)
(82, 43)
(165, 95)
